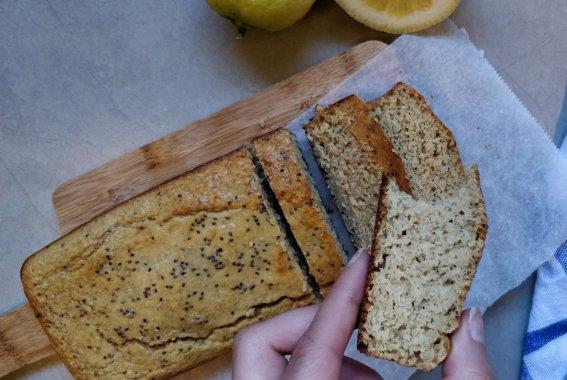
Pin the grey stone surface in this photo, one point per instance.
(82, 82)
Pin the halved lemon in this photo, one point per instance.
(399, 16)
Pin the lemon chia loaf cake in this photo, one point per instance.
(164, 281)
(354, 155)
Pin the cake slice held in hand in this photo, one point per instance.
(426, 246)
(354, 155)
(423, 259)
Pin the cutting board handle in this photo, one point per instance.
(22, 340)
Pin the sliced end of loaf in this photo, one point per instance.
(427, 148)
(302, 209)
(354, 154)
(424, 257)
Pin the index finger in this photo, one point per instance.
(320, 350)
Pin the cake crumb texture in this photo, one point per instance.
(354, 155)
(424, 258)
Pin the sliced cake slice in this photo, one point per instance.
(427, 148)
(426, 245)
(163, 282)
(354, 155)
(424, 257)
(302, 208)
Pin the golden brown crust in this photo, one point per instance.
(481, 236)
(162, 282)
(368, 132)
(133, 203)
(282, 307)
(483, 230)
(301, 205)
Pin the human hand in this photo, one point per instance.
(316, 337)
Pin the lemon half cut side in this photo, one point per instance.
(399, 16)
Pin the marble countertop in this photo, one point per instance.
(83, 82)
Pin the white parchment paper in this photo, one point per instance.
(523, 176)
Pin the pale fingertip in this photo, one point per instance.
(357, 256)
(468, 358)
(475, 325)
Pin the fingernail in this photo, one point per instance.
(356, 256)
(476, 325)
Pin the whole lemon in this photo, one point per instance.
(271, 15)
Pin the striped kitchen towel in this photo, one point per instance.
(545, 344)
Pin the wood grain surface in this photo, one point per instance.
(22, 340)
(82, 198)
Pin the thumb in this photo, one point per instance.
(468, 359)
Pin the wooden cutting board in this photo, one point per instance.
(22, 340)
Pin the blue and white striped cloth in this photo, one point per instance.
(545, 344)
